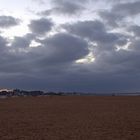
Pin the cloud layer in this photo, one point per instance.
(57, 56)
(8, 21)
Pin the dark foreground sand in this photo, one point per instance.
(70, 118)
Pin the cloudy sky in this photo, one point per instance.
(63, 45)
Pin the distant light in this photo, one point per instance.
(124, 47)
(34, 44)
(88, 59)
(7, 90)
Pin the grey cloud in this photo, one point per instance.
(96, 31)
(8, 21)
(74, 78)
(116, 58)
(3, 50)
(41, 26)
(65, 7)
(13, 60)
(3, 47)
(22, 42)
(128, 8)
(135, 29)
(89, 29)
(76, 82)
(111, 18)
(3, 42)
(52, 66)
(135, 45)
(119, 12)
(45, 12)
(64, 48)
(58, 49)
(123, 61)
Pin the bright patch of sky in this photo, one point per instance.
(27, 10)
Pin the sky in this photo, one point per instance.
(74, 46)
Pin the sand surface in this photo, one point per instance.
(70, 118)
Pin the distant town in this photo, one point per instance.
(4, 93)
(23, 93)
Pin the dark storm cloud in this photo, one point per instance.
(108, 61)
(58, 49)
(64, 47)
(41, 26)
(51, 67)
(8, 21)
